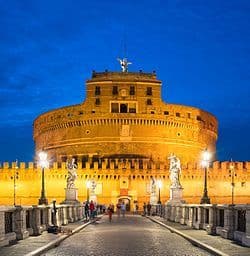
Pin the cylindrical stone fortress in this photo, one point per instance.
(124, 117)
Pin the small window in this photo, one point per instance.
(93, 111)
(149, 91)
(97, 101)
(132, 90)
(198, 118)
(166, 113)
(114, 108)
(97, 90)
(243, 184)
(152, 112)
(132, 108)
(115, 90)
(178, 114)
(149, 102)
(123, 108)
(80, 113)
(189, 115)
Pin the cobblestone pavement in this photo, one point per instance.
(227, 246)
(28, 245)
(132, 235)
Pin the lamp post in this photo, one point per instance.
(15, 177)
(159, 183)
(232, 173)
(43, 162)
(205, 163)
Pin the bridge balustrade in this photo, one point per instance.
(20, 222)
(228, 221)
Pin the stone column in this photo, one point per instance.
(20, 223)
(211, 227)
(190, 219)
(183, 214)
(229, 222)
(173, 213)
(178, 213)
(70, 214)
(64, 210)
(35, 222)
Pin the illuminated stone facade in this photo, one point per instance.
(124, 117)
(122, 180)
(121, 137)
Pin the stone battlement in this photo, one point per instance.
(127, 164)
(141, 76)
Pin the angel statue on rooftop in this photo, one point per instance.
(124, 64)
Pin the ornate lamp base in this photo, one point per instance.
(43, 201)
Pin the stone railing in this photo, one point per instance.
(228, 221)
(20, 222)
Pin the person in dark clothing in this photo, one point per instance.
(148, 208)
(86, 210)
(144, 209)
(110, 212)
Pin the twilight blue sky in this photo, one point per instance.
(199, 49)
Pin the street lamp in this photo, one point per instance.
(232, 173)
(88, 187)
(43, 162)
(205, 164)
(159, 183)
(15, 177)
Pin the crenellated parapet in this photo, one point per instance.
(131, 165)
(110, 173)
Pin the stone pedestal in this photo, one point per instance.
(153, 199)
(93, 198)
(71, 196)
(176, 196)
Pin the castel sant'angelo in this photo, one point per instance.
(121, 137)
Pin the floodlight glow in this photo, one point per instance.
(43, 159)
(159, 183)
(88, 184)
(206, 155)
(204, 163)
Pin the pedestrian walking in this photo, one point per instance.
(149, 208)
(144, 209)
(86, 210)
(110, 212)
(134, 208)
(123, 209)
(91, 208)
(118, 208)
